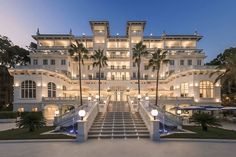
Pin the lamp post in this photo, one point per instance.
(154, 129)
(82, 113)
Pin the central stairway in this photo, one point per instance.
(118, 122)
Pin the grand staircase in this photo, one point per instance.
(118, 122)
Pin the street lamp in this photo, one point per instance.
(154, 113)
(146, 98)
(56, 112)
(82, 113)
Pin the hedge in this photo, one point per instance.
(8, 115)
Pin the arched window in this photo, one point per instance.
(206, 89)
(51, 89)
(28, 89)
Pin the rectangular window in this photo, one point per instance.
(123, 66)
(190, 62)
(134, 64)
(35, 62)
(90, 76)
(112, 77)
(184, 89)
(112, 67)
(134, 75)
(123, 77)
(52, 61)
(45, 62)
(181, 62)
(172, 62)
(145, 76)
(63, 62)
(102, 76)
(199, 62)
(145, 67)
(97, 75)
(90, 67)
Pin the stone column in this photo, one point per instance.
(81, 132)
(154, 131)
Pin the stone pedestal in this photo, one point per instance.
(155, 135)
(81, 133)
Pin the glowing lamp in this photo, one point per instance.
(139, 96)
(178, 111)
(147, 98)
(82, 113)
(154, 113)
(89, 98)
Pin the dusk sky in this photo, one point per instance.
(214, 19)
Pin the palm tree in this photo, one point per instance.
(100, 61)
(32, 121)
(205, 119)
(227, 68)
(79, 53)
(158, 57)
(139, 50)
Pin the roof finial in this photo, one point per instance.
(70, 31)
(37, 31)
(164, 33)
(195, 32)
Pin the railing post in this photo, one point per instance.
(81, 133)
(154, 130)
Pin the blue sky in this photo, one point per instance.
(214, 19)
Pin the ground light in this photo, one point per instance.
(82, 113)
(154, 113)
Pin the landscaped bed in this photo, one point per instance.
(212, 133)
(23, 133)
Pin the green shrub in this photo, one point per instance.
(8, 115)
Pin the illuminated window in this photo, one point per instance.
(28, 89)
(206, 89)
(35, 109)
(184, 89)
(51, 90)
(21, 109)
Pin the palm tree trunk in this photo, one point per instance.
(139, 75)
(157, 86)
(80, 84)
(99, 80)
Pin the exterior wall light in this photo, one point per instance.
(154, 113)
(139, 96)
(178, 112)
(146, 98)
(56, 112)
(89, 98)
(82, 113)
(97, 96)
(217, 100)
(132, 101)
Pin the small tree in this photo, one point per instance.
(205, 120)
(32, 121)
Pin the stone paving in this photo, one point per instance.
(7, 126)
(118, 148)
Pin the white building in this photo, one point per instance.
(50, 83)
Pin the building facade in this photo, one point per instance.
(50, 83)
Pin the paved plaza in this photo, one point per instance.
(118, 148)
